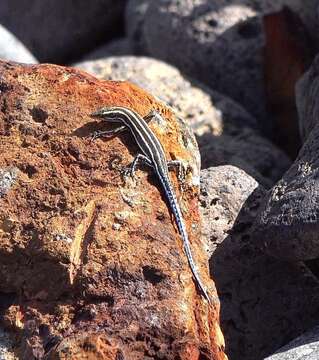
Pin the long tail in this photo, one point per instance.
(182, 229)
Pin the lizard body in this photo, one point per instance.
(154, 156)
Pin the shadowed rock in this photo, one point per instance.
(265, 302)
(288, 224)
(305, 347)
(58, 31)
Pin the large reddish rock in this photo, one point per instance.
(91, 264)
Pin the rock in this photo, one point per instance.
(7, 179)
(288, 46)
(6, 350)
(204, 36)
(118, 47)
(308, 13)
(264, 302)
(59, 31)
(13, 49)
(134, 23)
(287, 225)
(95, 258)
(209, 113)
(234, 116)
(224, 190)
(206, 111)
(247, 150)
(218, 42)
(308, 107)
(305, 347)
(136, 10)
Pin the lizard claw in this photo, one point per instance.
(128, 172)
(93, 136)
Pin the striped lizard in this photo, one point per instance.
(152, 155)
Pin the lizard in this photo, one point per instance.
(152, 155)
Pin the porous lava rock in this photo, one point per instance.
(265, 302)
(91, 263)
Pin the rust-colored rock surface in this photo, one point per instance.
(91, 263)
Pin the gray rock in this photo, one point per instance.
(205, 110)
(247, 150)
(309, 14)
(305, 347)
(13, 49)
(136, 10)
(209, 41)
(307, 89)
(224, 190)
(264, 302)
(57, 31)
(288, 224)
(134, 23)
(118, 47)
(219, 42)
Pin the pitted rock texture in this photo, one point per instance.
(224, 190)
(59, 31)
(201, 38)
(305, 347)
(219, 42)
(265, 302)
(288, 224)
(91, 264)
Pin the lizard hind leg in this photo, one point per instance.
(139, 159)
(181, 169)
(154, 115)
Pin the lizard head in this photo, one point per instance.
(111, 113)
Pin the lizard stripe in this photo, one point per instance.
(153, 150)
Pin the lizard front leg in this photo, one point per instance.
(107, 133)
